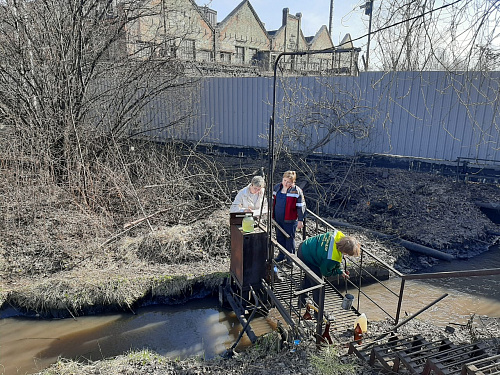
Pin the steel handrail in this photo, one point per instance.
(373, 277)
(403, 277)
(360, 266)
(367, 297)
(379, 261)
(378, 281)
(389, 267)
(452, 274)
(299, 263)
(441, 275)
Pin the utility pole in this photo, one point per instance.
(330, 24)
(368, 11)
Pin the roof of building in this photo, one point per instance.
(235, 10)
(202, 15)
(311, 39)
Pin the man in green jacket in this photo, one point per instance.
(323, 255)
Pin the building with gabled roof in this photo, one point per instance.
(289, 38)
(238, 45)
(172, 28)
(242, 37)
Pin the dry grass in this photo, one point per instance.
(66, 250)
(77, 296)
(186, 243)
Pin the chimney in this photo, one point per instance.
(285, 16)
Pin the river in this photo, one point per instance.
(198, 327)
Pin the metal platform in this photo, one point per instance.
(291, 282)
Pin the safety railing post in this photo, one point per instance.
(400, 300)
(319, 321)
(360, 276)
(316, 220)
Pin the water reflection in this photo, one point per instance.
(196, 328)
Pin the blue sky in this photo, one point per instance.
(347, 16)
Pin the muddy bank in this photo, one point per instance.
(155, 291)
(427, 209)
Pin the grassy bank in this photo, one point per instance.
(64, 297)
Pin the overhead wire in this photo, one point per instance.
(407, 20)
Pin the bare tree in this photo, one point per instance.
(74, 84)
(312, 115)
(434, 35)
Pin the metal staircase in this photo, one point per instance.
(286, 289)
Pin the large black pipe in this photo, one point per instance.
(406, 244)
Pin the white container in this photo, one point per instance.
(363, 322)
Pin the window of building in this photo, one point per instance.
(225, 57)
(204, 56)
(239, 58)
(186, 50)
(252, 53)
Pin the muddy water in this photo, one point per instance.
(196, 328)
(466, 296)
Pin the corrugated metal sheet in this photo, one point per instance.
(435, 115)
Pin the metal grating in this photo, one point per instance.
(420, 357)
(292, 282)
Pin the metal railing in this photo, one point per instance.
(362, 274)
(295, 292)
(441, 275)
(361, 271)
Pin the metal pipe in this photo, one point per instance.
(400, 301)
(280, 229)
(319, 322)
(360, 276)
(248, 321)
(303, 291)
(444, 275)
(369, 36)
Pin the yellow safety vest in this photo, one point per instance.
(333, 253)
